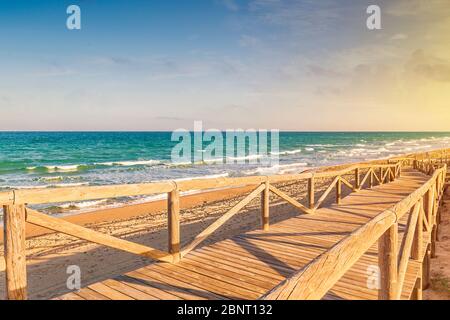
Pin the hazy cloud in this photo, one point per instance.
(399, 36)
(249, 41)
(231, 5)
(428, 67)
(316, 70)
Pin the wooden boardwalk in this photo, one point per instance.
(249, 265)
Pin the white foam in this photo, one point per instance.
(82, 205)
(212, 176)
(67, 168)
(287, 152)
(130, 163)
(63, 185)
(249, 157)
(277, 169)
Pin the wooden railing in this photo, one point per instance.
(318, 277)
(17, 213)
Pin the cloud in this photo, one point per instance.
(304, 16)
(316, 70)
(327, 91)
(399, 36)
(428, 67)
(168, 118)
(113, 61)
(249, 41)
(401, 8)
(231, 5)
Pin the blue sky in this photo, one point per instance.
(160, 65)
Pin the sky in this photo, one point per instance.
(273, 64)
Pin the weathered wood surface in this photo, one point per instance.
(71, 229)
(248, 266)
(15, 257)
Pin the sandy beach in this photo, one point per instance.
(49, 254)
(440, 266)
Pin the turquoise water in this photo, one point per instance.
(56, 159)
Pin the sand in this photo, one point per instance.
(440, 266)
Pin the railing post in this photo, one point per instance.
(265, 207)
(387, 261)
(15, 254)
(371, 178)
(338, 191)
(173, 200)
(429, 206)
(357, 178)
(426, 269)
(416, 253)
(433, 221)
(433, 241)
(381, 175)
(311, 192)
(418, 237)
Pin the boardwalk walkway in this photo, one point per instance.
(248, 265)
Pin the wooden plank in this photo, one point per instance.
(109, 292)
(70, 296)
(49, 195)
(234, 277)
(15, 252)
(235, 265)
(74, 230)
(89, 294)
(172, 285)
(213, 285)
(128, 290)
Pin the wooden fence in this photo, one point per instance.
(17, 215)
(318, 277)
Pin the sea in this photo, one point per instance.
(60, 159)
